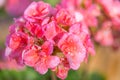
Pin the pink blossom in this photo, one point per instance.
(17, 40)
(63, 17)
(46, 62)
(15, 44)
(47, 48)
(73, 49)
(104, 36)
(81, 30)
(35, 29)
(52, 29)
(91, 18)
(40, 58)
(63, 68)
(30, 55)
(37, 11)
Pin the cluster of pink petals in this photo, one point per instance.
(103, 16)
(49, 38)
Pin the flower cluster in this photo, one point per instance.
(49, 38)
(101, 16)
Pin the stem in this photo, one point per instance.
(53, 76)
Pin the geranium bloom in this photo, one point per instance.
(73, 49)
(48, 38)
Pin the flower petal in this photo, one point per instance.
(53, 61)
(30, 55)
(41, 66)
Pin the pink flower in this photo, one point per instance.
(73, 49)
(62, 72)
(104, 36)
(30, 55)
(17, 40)
(81, 30)
(63, 68)
(40, 57)
(37, 11)
(46, 62)
(35, 29)
(47, 48)
(15, 44)
(91, 18)
(64, 18)
(52, 29)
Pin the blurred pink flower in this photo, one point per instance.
(71, 4)
(104, 35)
(10, 65)
(112, 10)
(14, 8)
